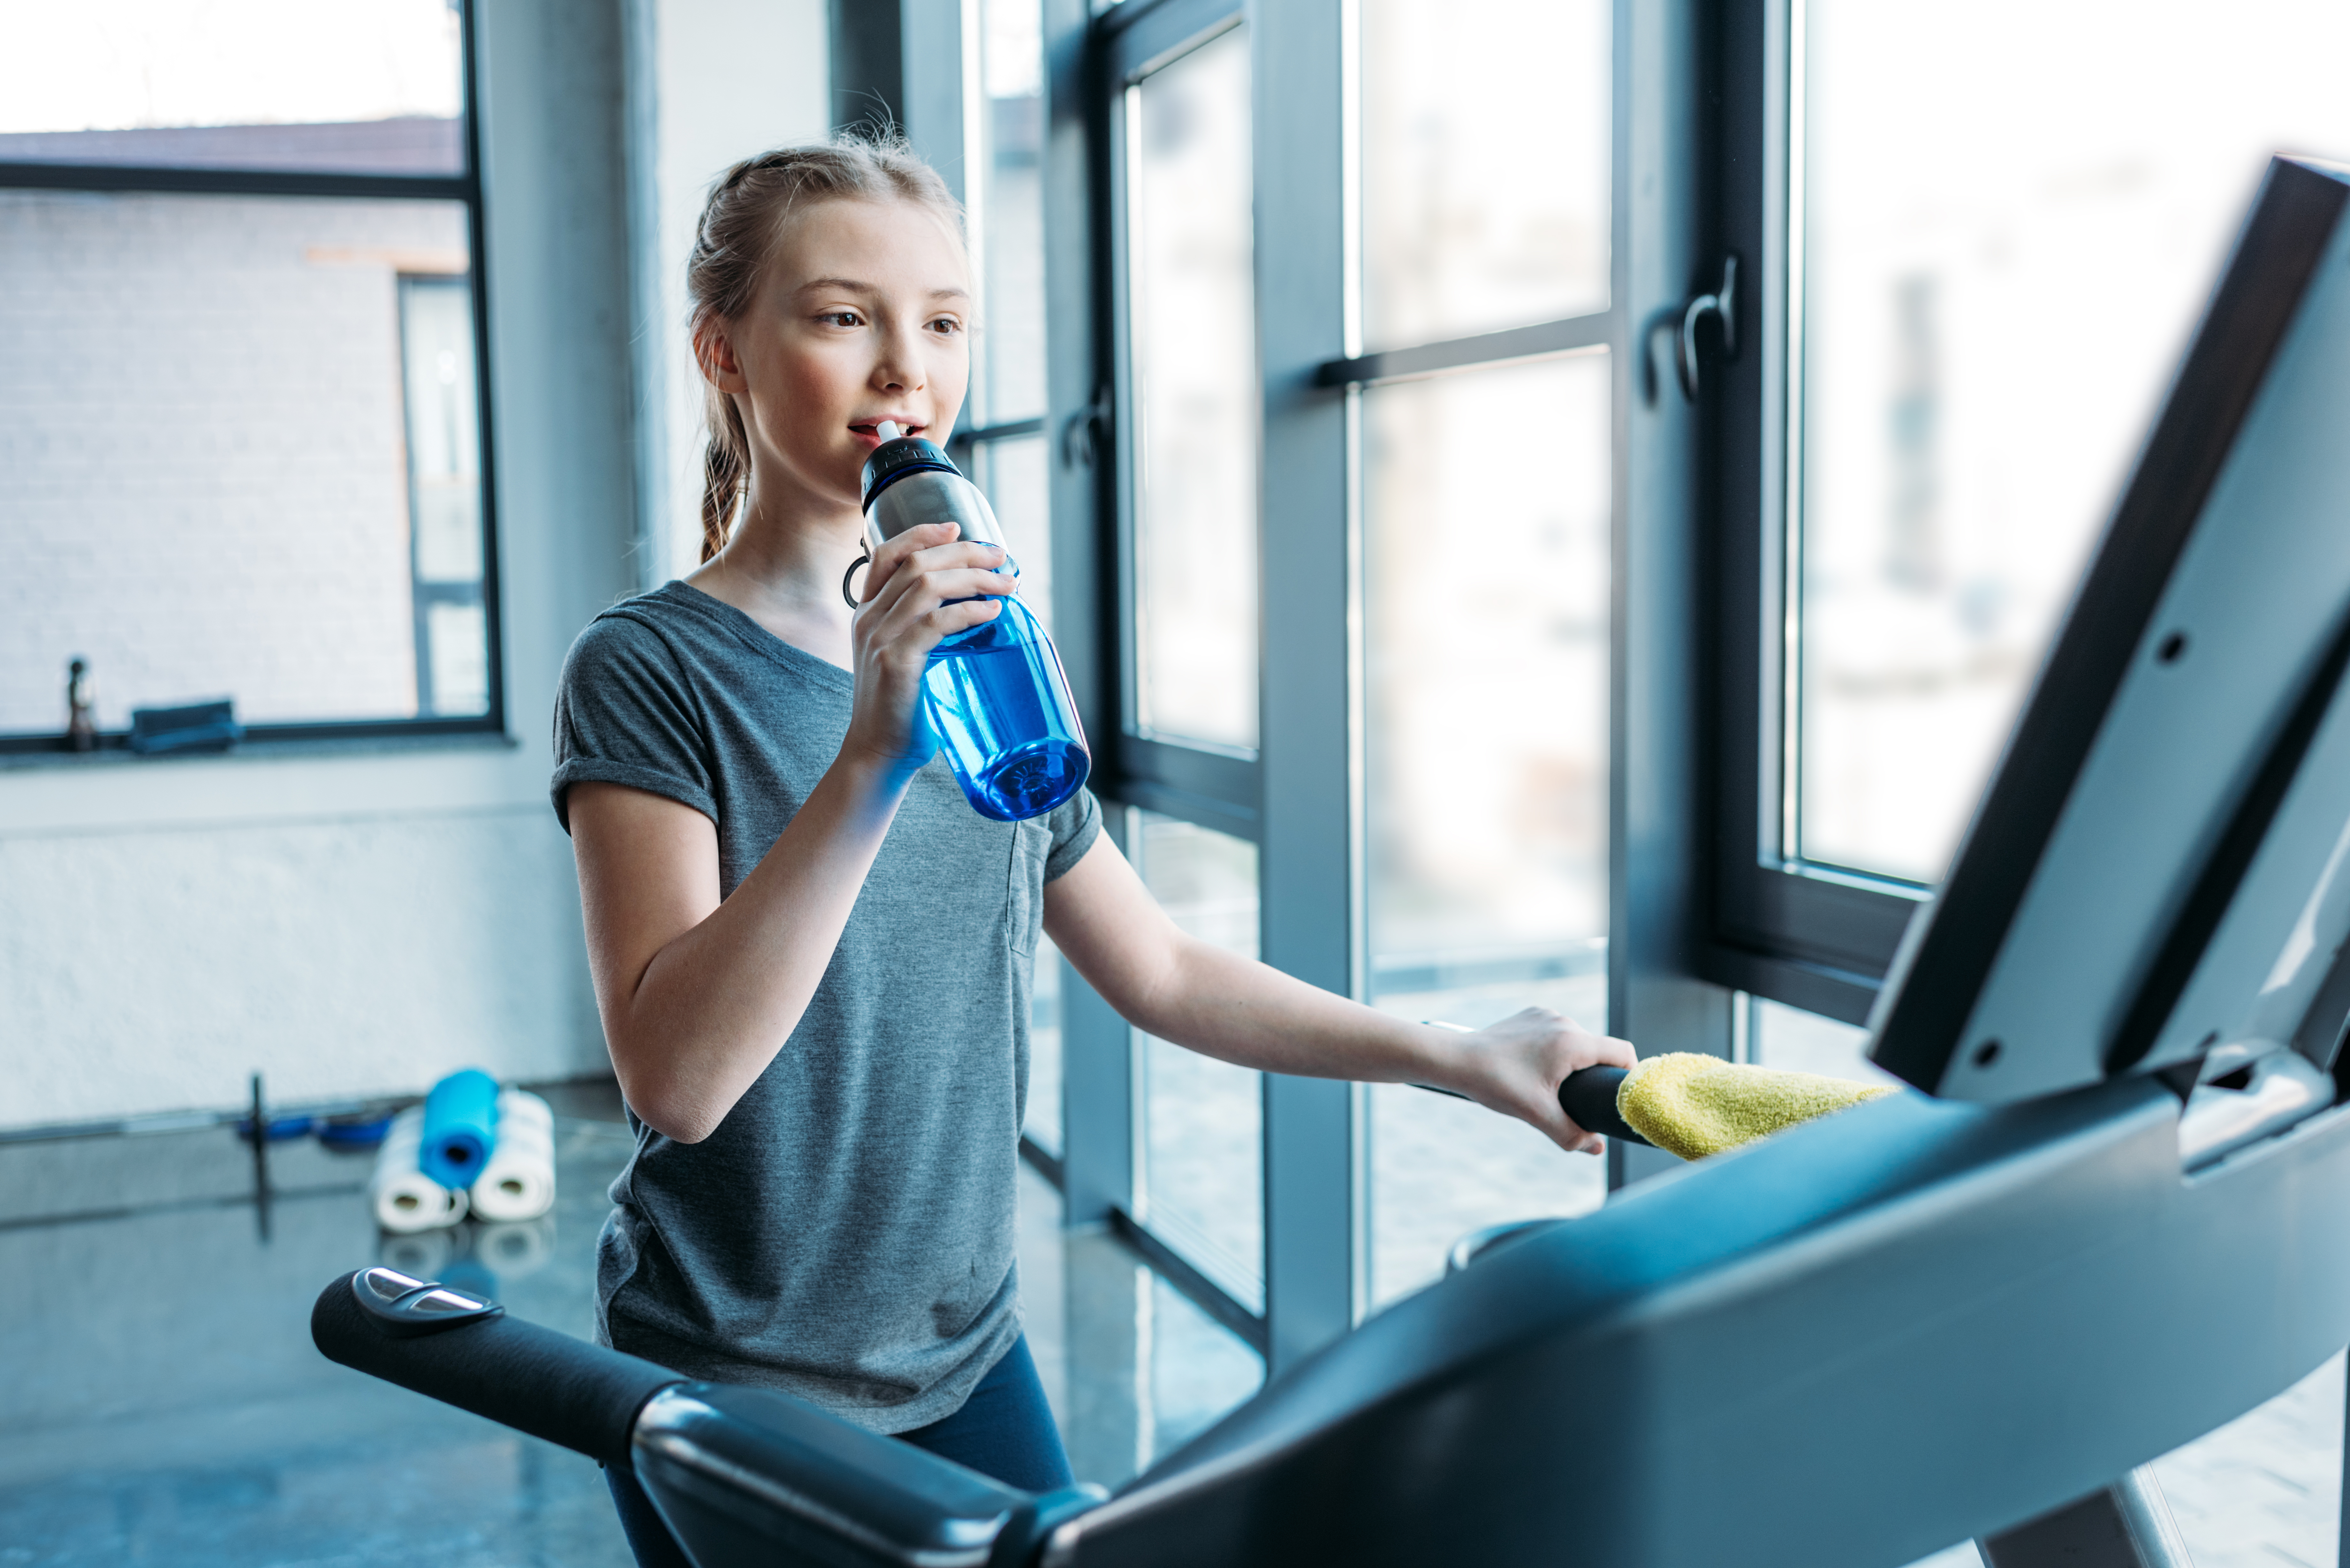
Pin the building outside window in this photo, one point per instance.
(240, 387)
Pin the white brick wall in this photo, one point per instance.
(203, 484)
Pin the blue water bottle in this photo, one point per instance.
(995, 693)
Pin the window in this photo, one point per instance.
(1946, 503)
(1486, 777)
(242, 392)
(1486, 581)
(1191, 314)
(1975, 280)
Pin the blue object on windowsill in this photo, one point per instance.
(198, 727)
(362, 1132)
(282, 1129)
(460, 1128)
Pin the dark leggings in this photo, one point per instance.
(1005, 1430)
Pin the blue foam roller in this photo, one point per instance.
(461, 1127)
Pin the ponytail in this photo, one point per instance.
(740, 221)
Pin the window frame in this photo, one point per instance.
(465, 187)
(1812, 936)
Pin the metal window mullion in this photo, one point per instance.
(1310, 921)
(1540, 341)
(1656, 766)
(485, 406)
(1098, 1127)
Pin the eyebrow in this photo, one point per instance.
(851, 286)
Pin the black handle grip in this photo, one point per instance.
(1588, 1098)
(565, 1390)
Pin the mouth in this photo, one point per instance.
(868, 431)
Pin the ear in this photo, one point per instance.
(713, 350)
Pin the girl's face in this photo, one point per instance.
(864, 315)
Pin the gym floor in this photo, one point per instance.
(165, 1405)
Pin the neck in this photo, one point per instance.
(783, 567)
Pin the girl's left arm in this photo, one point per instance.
(1218, 1003)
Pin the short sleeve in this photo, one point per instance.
(624, 714)
(1076, 822)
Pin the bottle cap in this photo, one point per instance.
(893, 459)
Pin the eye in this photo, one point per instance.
(841, 318)
(946, 326)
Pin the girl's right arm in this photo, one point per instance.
(698, 994)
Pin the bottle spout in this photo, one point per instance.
(888, 429)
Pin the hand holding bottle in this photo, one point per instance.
(922, 586)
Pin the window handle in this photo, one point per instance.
(1722, 304)
(1087, 431)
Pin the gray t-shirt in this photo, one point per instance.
(846, 1234)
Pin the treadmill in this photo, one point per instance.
(2114, 1214)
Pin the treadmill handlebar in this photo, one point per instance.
(580, 1396)
(1588, 1098)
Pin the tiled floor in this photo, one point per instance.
(164, 1405)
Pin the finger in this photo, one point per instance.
(921, 592)
(1614, 1053)
(940, 563)
(960, 554)
(893, 552)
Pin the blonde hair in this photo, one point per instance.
(740, 224)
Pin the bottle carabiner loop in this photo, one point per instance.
(861, 560)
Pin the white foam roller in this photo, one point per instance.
(521, 1106)
(404, 1198)
(518, 1182)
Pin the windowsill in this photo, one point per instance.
(263, 751)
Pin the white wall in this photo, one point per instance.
(712, 82)
(360, 921)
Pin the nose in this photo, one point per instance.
(900, 366)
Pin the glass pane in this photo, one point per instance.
(444, 494)
(361, 86)
(1806, 1043)
(1016, 476)
(1192, 306)
(1203, 1120)
(1010, 213)
(1486, 753)
(283, 505)
(1994, 300)
(1199, 1369)
(1485, 165)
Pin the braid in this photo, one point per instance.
(725, 464)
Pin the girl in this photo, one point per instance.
(811, 955)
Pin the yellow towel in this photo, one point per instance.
(1696, 1106)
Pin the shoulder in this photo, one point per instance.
(635, 634)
